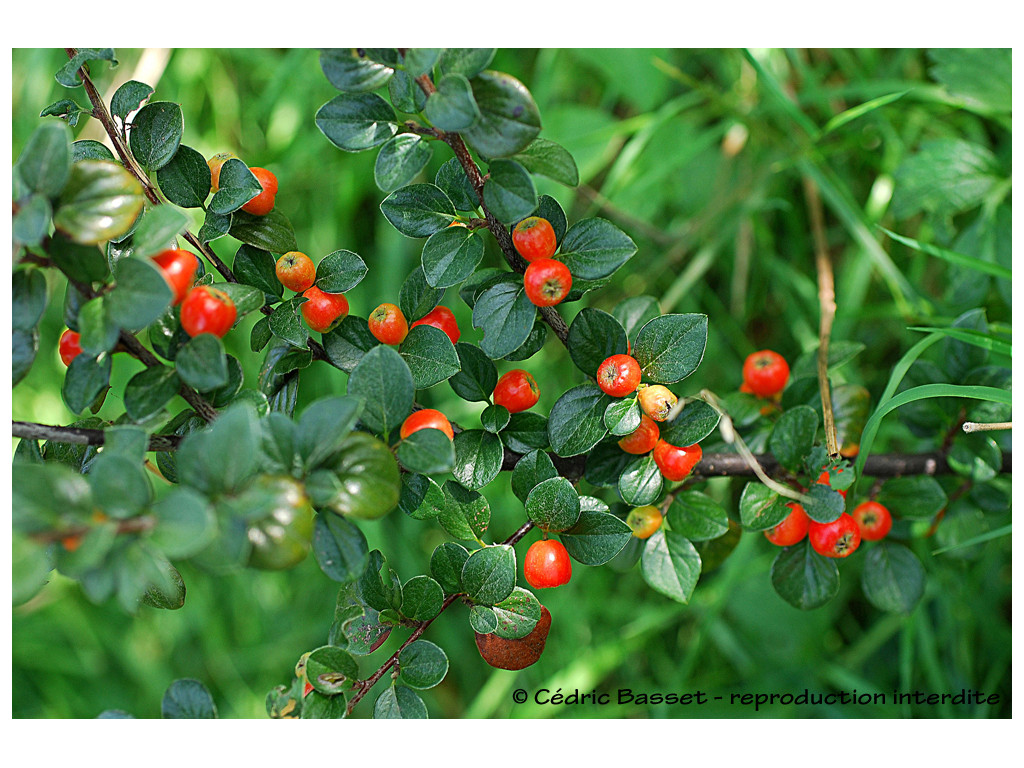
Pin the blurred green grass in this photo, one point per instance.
(722, 228)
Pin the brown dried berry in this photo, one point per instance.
(515, 654)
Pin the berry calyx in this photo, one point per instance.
(215, 164)
(840, 538)
(534, 238)
(547, 564)
(675, 462)
(443, 319)
(645, 521)
(388, 324)
(514, 654)
(618, 375)
(426, 418)
(517, 391)
(295, 271)
(547, 282)
(791, 530)
(263, 203)
(643, 439)
(207, 310)
(873, 520)
(656, 401)
(69, 346)
(765, 373)
(179, 270)
(323, 311)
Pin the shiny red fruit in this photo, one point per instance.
(873, 519)
(643, 439)
(840, 538)
(295, 271)
(517, 391)
(207, 310)
(547, 564)
(388, 325)
(791, 530)
(323, 311)
(765, 373)
(618, 375)
(443, 319)
(426, 418)
(68, 346)
(179, 270)
(534, 238)
(263, 203)
(547, 282)
(675, 462)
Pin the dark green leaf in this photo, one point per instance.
(505, 314)
(482, 619)
(418, 210)
(547, 158)
(477, 376)
(697, 516)
(323, 427)
(976, 456)
(417, 297)
(66, 109)
(596, 538)
(464, 61)
(533, 468)
(128, 98)
(803, 578)
(489, 575)
(761, 508)
(383, 379)
(140, 296)
(533, 344)
(917, 498)
(595, 248)
(466, 514)
(405, 93)
(32, 221)
(148, 391)
(452, 180)
(478, 458)
(185, 180)
(349, 70)
(451, 107)
(86, 379)
(576, 421)
(422, 498)
(28, 293)
(509, 119)
(286, 323)
(87, 149)
(696, 421)
(156, 133)
(254, 266)
(893, 578)
(354, 122)
(430, 355)
(823, 504)
(45, 164)
(517, 614)
(422, 665)
(635, 312)
(348, 342)
(340, 271)
(201, 363)
(246, 298)
(157, 230)
(272, 232)
(509, 192)
(68, 74)
(670, 347)
(330, 670)
(640, 482)
(187, 699)
(421, 598)
(451, 255)
(594, 336)
(553, 505)
(670, 565)
(446, 565)
(237, 185)
(622, 417)
(399, 702)
(400, 160)
(793, 435)
(525, 432)
(214, 226)
(494, 418)
(428, 451)
(100, 202)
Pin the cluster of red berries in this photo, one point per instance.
(547, 281)
(322, 311)
(870, 521)
(388, 325)
(260, 205)
(618, 376)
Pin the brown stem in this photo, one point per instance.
(131, 525)
(79, 436)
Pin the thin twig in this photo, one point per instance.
(978, 426)
(80, 436)
(827, 302)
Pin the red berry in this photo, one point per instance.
(215, 163)
(534, 238)
(656, 401)
(547, 564)
(792, 529)
(618, 375)
(765, 373)
(517, 391)
(674, 462)
(263, 203)
(547, 282)
(823, 479)
(643, 439)
(873, 519)
(645, 521)
(69, 346)
(443, 319)
(179, 270)
(840, 538)
(207, 310)
(426, 418)
(388, 324)
(295, 271)
(323, 311)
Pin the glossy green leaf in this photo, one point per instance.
(418, 210)
(525, 432)
(919, 497)
(421, 598)
(596, 538)
(509, 119)
(452, 107)
(553, 505)
(893, 578)
(140, 296)
(157, 230)
(594, 336)
(803, 578)
(478, 458)
(430, 355)
(399, 702)
(400, 160)
(68, 74)
(576, 421)
(697, 516)
(185, 180)
(477, 374)
(348, 70)
(148, 391)
(422, 665)
(761, 508)
(100, 201)
(482, 619)
(466, 514)
(489, 575)
(696, 421)
(464, 61)
(428, 451)
(28, 295)
(451, 255)
(348, 342)
(670, 565)
(823, 504)
(129, 97)
(354, 122)
(550, 159)
(383, 379)
(285, 322)
(509, 192)
(452, 180)
(85, 380)
(254, 266)
(517, 614)
(237, 185)
(506, 315)
(670, 347)
(793, 435)
(531, 470)
(156, 134)
(201, 363)
(595, 248)
(31, 223)
(45, 163)
(446, 565)
(87, 149)
(641, 481)
(421, 498)
(272, 232)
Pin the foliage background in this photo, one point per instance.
(701, 162)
